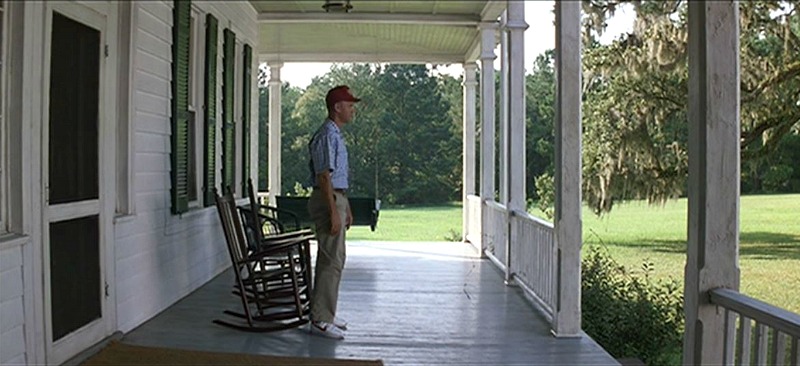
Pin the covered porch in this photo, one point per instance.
(406, 303)
(541, 259)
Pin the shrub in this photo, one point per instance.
(545, 188)
(778, 179)
(631, 315)
(453, 236)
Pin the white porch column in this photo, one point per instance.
(503, 149)
(515, 110)
(274, 130)
(468, 136)
(567, 314)
(713, 232)
(488, 35)
(516, 107)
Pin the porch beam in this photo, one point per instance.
(567, 221)
(453, 20)
(492, 10)
(413, 58)
(468, 135)
(712, 259)
(488, 42)
(274, 85)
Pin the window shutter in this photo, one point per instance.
(179, 156)
(246, 93)
(210, 135)
(228, 127)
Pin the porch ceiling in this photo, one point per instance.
(435, 31)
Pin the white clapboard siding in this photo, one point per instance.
(12, 315)
(161, 257)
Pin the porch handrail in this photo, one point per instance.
(533, 259)
(738, 342)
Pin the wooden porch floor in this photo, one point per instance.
(407, 303)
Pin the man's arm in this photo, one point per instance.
(324, 183)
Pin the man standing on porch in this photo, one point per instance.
(330, 210)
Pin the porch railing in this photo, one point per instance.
(533, 259)
(756, 332)
(495, 235)
(519, 244)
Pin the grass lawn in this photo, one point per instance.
(636, 232)
(413, 223)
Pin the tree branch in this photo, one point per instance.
(781, 76)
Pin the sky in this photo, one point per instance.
(540, 36)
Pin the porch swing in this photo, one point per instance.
(365, 209)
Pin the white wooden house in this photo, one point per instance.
(118, 119)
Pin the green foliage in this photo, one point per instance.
(545, 189)
(453, 236)
(540, 115)
(631, 315)
(404, 144)
(635, 109)
(301, 191)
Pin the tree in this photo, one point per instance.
(540, 115)
(635, 90)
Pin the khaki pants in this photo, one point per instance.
(330, 255)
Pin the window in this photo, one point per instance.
(195, 132)
(194, 108)
(124, 177)
(3, 152)
(11, 152)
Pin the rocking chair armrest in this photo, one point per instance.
(279, 213)
(270, 250)
(290, 234)
(278, 246)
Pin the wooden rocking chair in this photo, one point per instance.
(262, 234)
(266, 278)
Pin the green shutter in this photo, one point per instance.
(210, 135)
(179, 156)
(228, 127)
(246, 93)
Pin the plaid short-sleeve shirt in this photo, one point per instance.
(328, 151)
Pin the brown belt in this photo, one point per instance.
(342, 191)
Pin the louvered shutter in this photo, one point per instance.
(210, 135)
(179, 156)
(246, 93)
(228, 126)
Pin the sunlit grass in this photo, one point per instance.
(635, 233)
(413, 223)
(769, 252)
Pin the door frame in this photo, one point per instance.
(101, 16)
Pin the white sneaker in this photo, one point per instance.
(326, 330)
(340, 323)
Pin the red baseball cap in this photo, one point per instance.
(338, 94)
